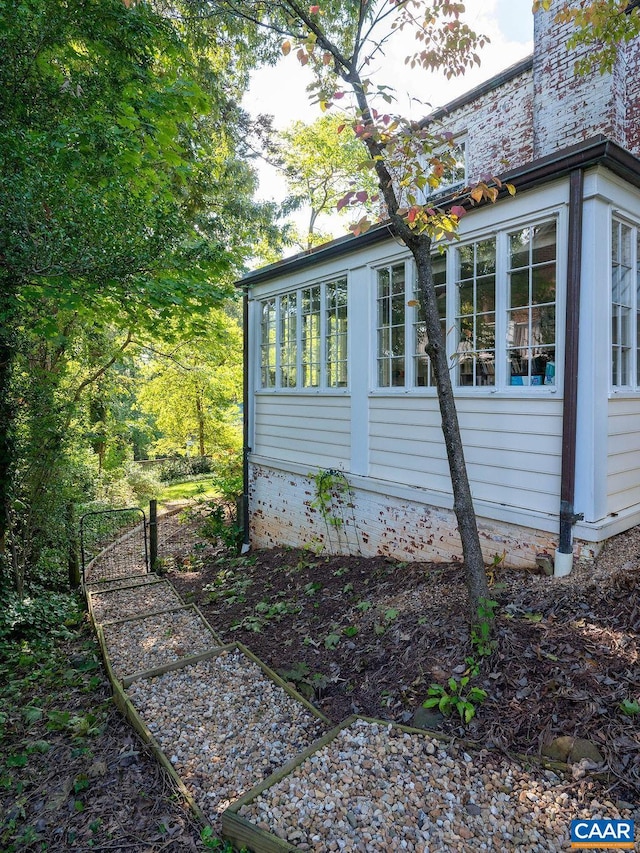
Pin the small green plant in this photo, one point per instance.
(220, 525)
(363, 606)
(482, 632)
(312, 588)
(630, 707)
(455, 698)
(350, 631)
(329, 487)
(331, 640)
(212, 842)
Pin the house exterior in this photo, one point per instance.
(540, 303)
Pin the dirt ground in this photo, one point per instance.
(369, 636)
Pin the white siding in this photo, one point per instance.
(623, 454)
(512, 447)
(312, 430)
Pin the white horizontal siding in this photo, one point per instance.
(623, 454)
(512, 447)
(314, 431)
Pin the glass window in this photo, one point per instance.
(336, 336)
(531, 317)
(288, 340)
(422, 364)
(476, 313)
(621, 303)
(311, 338)
(391, 326)
(268, 344)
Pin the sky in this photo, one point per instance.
(280, 90)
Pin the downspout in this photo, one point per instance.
(246, 541)
(564, 554)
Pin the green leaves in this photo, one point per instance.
(457, 698)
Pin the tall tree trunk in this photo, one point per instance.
(476, 576)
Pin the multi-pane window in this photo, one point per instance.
(336, 334)
(268, 344)
(476, 313)
(288, 340)
(391, 326)
(622, 298)
(423, 374)
(531, 318)
(303, 338)
(311, 336)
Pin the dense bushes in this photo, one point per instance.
(181, 469)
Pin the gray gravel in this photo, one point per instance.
(376, 788)
(121, 603)
(118, 583)
(141, 644)
(224, 726)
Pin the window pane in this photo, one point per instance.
(475, 317)
(519, 289)
(391, 299)
(423, 375)
(311, 337)
(336, 345)
(268, 344)
(544, 243)
(531, 320)
(623, 239)
(519, 244)
(543, 284)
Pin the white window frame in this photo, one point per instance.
(502, 384)
(285, 295)
(633, 383)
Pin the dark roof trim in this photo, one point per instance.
(598, 151)
(500, 79)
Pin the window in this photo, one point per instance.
(288, 340)
(531, 316)
(293, 328)
(505, 282)
(336, 335)
(268, 344)
(391, 321)
(311, 337)
(453, 177)
(422, 364)
(476, 313)
(622, 298)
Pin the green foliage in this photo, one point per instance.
(329, 487)
(630, 707)
(455, 697)
(179, 470)
(482, 630)
(220, 526)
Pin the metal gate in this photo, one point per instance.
(114, 544)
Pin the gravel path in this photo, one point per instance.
(377, 788)
(224, 725)
(135, 601)
(138, 645)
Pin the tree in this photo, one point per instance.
(193, 391)
(339, 41)
(322, 161)
(124, 204)
(599, 26)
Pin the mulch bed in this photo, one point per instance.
(369, 636)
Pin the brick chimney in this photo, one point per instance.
(568, 109)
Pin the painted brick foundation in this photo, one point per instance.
(373, 525)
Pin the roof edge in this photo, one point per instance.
(597, 151)
(489, 85)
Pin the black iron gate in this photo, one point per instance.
(114, 544)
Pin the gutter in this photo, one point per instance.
(597, 151)
(244, 500)
(563, 562)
